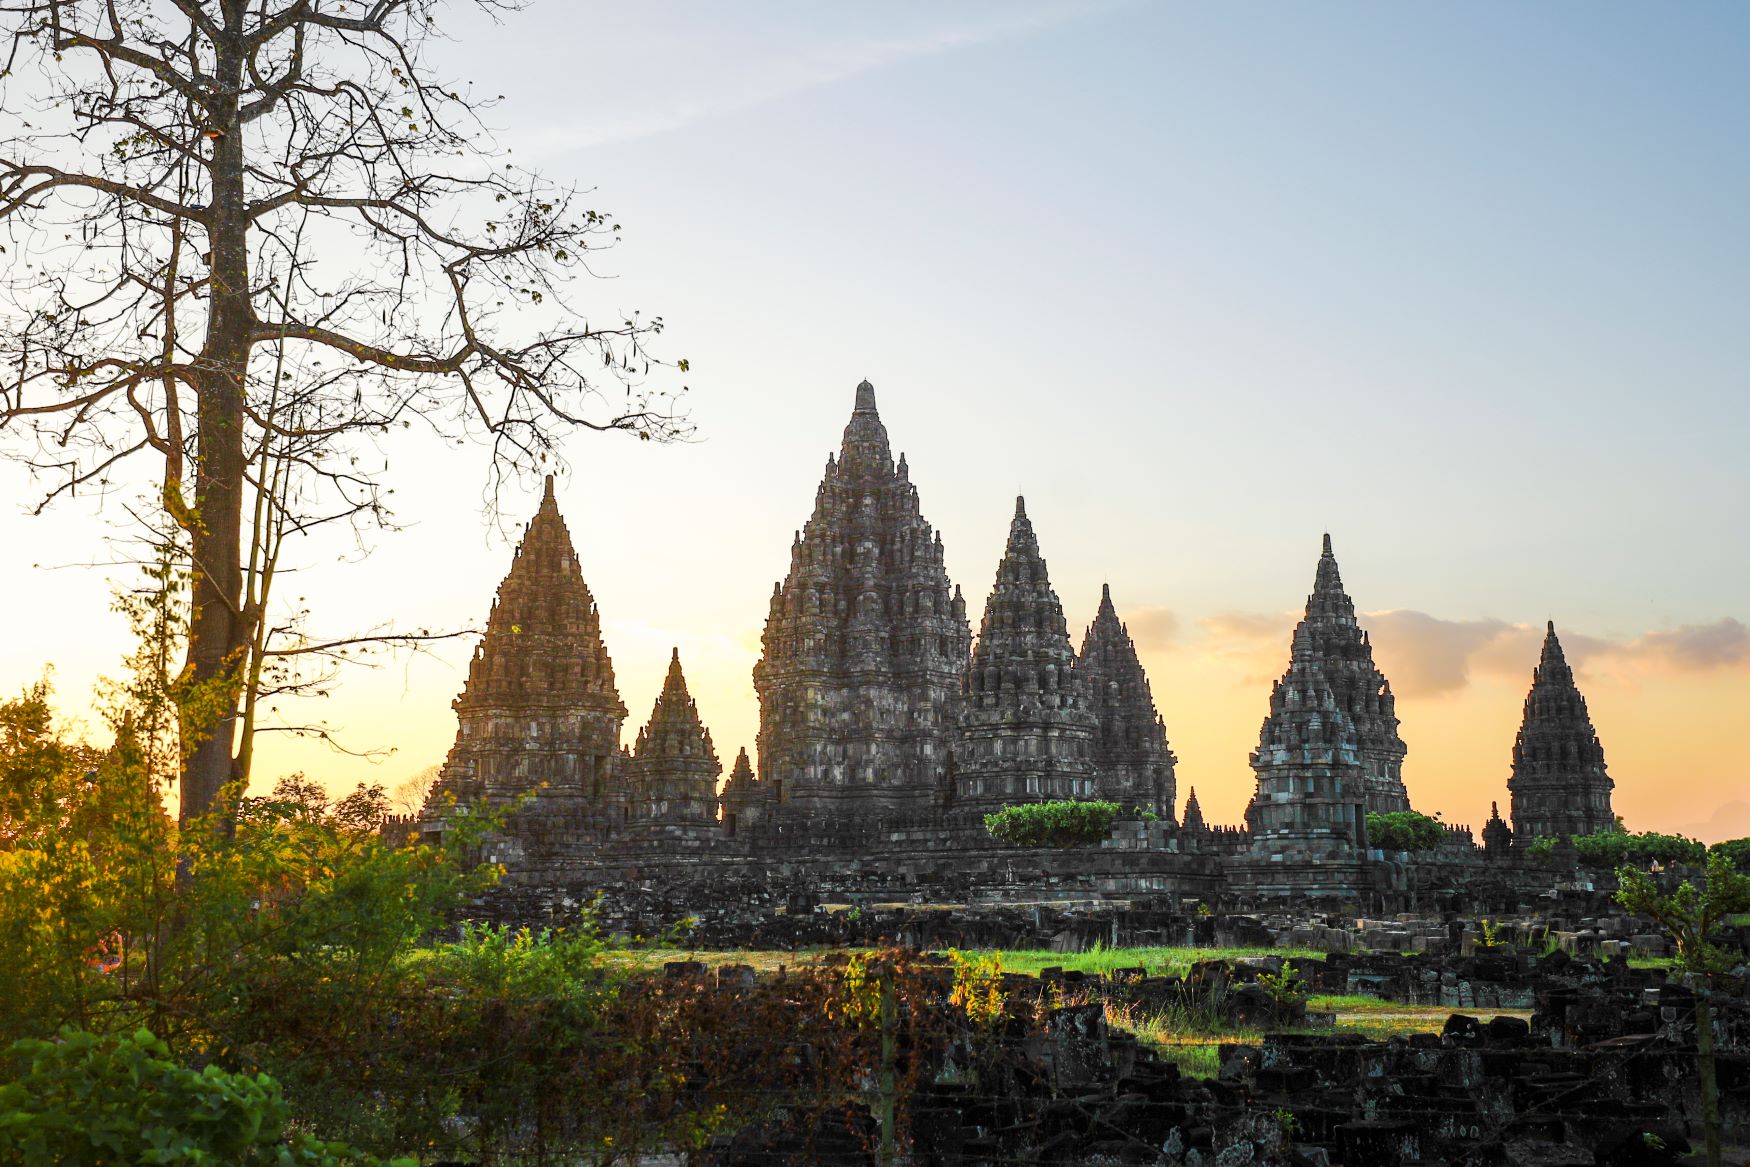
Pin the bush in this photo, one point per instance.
(1404, 830)
(1610, 849)
(84, 1100)
(1736, 850)
(1053, 824)
(1618, 848)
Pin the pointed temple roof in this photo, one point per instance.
(1023, 615)
(1560, 785)
(866, 539)
(1194, 813)
(866, 612)
(1131, 750)
(1331, 643)
(674, 729)
(1026, 733)
(1023, 635)
(741, 780)
(543, 643)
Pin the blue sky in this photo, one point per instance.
(1466, 285)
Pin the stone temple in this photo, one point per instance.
(540, 716)
(1308, 814)
(865, 644)
(1131, 754)
(1559, 783)
(1028, 730)
(887, 731)
(1330, 643)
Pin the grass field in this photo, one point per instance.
(1158, 961)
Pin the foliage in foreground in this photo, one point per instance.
(1063, 823)
(1692, 917)
(81, 1099)
(1404, 830)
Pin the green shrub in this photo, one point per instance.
(85, 1101)
(1616, 848)
(1053, 824)
(1404, 830)
(1736, 850)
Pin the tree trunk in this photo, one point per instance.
(1710, 1085)
(218, 630)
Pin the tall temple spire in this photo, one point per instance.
(1308, 815)
(865, 451)
(1328, 582)
(1330, 637)
(1026, 732)
(674, 765)
(865, 642)
(1559, 785)
(1133, 762)
(540, 711)
(1328, 752)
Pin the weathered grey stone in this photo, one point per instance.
(865, 643)
(1559, 783)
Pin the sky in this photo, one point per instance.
(1467, 286)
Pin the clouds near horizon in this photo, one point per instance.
(1425, 655)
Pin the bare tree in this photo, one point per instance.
(244, 236)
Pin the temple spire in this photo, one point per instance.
(865, 619)
(1331, 645)
(1328, 582)
(1026, 733)
(674, 765)
(540, 713)
(1559, 785)
(1133, 763)
(674, 686)
(865, 452)
(1552, 655)
(1194, 813)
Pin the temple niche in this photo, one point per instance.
(1027, 732)
(540, 715)
(865, 643)
(1559, 784)
(1132, 761)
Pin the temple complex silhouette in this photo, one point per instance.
(887, 729)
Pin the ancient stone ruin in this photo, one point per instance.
(887, 731)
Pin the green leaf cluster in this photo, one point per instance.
(1065, 823)
(1404, 830)
(1615, 848)
(1691, 916)
(84, 1100)
(1735, 850)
